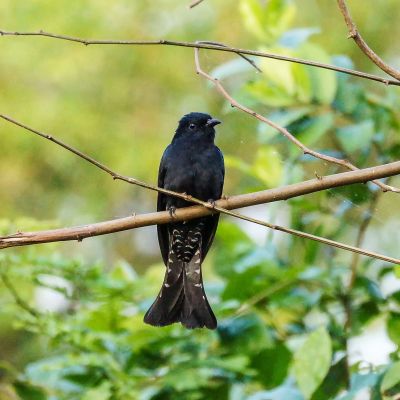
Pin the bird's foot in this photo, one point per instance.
(212, 203)
(172, 211)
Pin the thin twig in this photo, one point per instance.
(80, 233)
(249, 60)
(346, 298)
(262, 295)
(362, 44)
(367, 218)
(306, 150)
(195, 3)
(17, 298)
(228, 49)
(101, 166)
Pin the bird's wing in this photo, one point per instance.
(212, 221)
(162, 230)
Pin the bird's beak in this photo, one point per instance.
(212, 122)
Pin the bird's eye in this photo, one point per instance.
(192, 126)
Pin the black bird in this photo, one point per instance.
(194, 165)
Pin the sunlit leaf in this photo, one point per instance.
(324, 82)
(102, 392)
(312, 361)
(267, 166)
(268, 20)
(391, 380)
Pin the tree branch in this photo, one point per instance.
(103, 167)
(208, 46)
(362, 44)
(223, 205)
(344, 163)
(195, 3)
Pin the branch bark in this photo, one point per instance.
(344, 163)
(244, 200)
(362, 44)
(195, 3)
(207, 45)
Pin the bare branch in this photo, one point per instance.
(228, 49)
(344, 163)
(223, 205)
(101, 166)
(362, 44)
(249, 60)
(195, 3)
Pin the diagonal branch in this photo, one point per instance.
(183, 214)
(362, 44)
(223, 206)
(249, 60)
(195, 3)
(103, 167)
(208, 46)
(344, 163)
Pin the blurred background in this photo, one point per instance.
(70, 315)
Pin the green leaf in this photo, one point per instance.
(269, 19)
(391, 380)
(280, 84)
(27, 391)
(234, 243)
(268, 166)
(312, 361)
(393, 327)
(323, 82)
(102, 392)
(316, 128)
(283, 118)
(272, 365)
(395, 296)
(244, 334)
(269, 93)
(357, 136)
(334, 382)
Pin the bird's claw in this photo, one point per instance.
(172, 211)
(212, 203)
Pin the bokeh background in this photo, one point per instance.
(121, 104)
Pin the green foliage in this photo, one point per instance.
(284, 309)
(312, 361)
(267, 21)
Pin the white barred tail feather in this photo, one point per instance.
(182, 297)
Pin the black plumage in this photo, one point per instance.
(194, 165)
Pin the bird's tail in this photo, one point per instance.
(182, 297)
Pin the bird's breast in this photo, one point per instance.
(191, 172)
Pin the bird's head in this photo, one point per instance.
(197, 125)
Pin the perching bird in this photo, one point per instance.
(194, 165)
